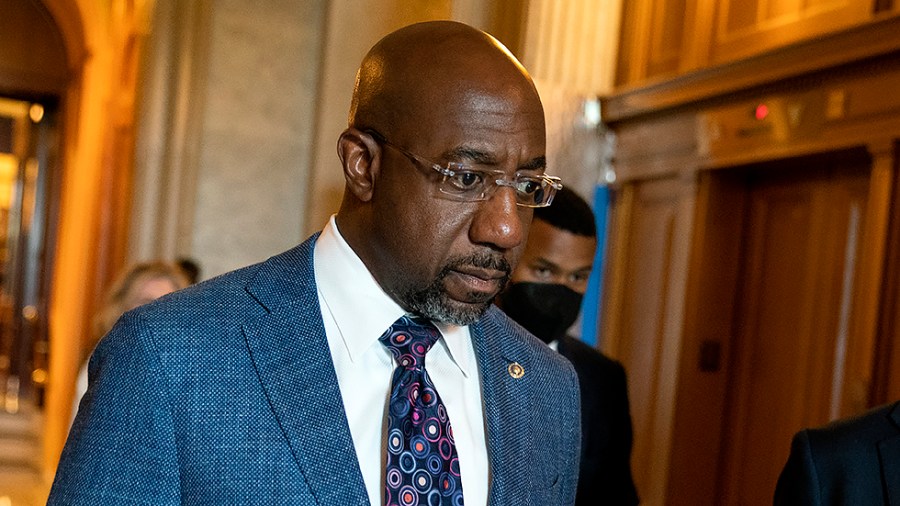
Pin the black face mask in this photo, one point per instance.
(546, 310)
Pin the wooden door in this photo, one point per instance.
(792, 337)
(646, 305)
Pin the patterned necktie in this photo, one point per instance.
(422, 465)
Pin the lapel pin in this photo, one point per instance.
(516, 370)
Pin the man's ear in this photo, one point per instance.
(360, 157)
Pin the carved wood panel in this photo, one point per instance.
(746, 27)
(653, 32)
(793, 336)
(646, 294)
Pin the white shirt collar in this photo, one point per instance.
(360, 308)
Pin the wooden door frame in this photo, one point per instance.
(886, 359)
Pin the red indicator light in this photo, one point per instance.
(762, 110)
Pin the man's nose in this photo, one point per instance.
(499, 222)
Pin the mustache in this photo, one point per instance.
(483, 260)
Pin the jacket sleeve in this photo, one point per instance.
(121, 448)
(798, 484)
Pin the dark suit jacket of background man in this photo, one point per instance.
(605, 477)
(849, 462)
(225, 393)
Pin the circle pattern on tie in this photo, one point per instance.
(422, 464)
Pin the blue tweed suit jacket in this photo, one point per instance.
(225, 393)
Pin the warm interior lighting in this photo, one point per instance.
(8, 169)
(36, 113)
(39, 376)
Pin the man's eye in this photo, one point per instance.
(581, 277)
(528, 186)
(465, 180)
(542, 272)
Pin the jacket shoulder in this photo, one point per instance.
(591, 364)
(237, 294)
(847, 434)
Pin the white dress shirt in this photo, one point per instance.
(356, 311)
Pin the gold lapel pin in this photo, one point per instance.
(516, 370)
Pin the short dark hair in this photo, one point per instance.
(190, 268)
(569, 212)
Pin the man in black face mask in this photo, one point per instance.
(544, 296)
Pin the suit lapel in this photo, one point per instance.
(290, 351)
(507, 422)
(889, 454)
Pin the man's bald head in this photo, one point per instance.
(427, 96)
(424, 66)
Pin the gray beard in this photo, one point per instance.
(432, 302)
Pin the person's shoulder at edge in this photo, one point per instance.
(848, 433)
(223, 296)
(824, 458)
(577, 350)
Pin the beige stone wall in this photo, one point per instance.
(261, 84)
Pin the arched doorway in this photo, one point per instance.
(34, 74)
(35, 77)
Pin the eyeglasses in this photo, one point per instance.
(463, 183)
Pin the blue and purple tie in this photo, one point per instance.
(422, 465)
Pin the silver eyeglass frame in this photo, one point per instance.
(550, 184)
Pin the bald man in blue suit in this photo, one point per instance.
(268, 385)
